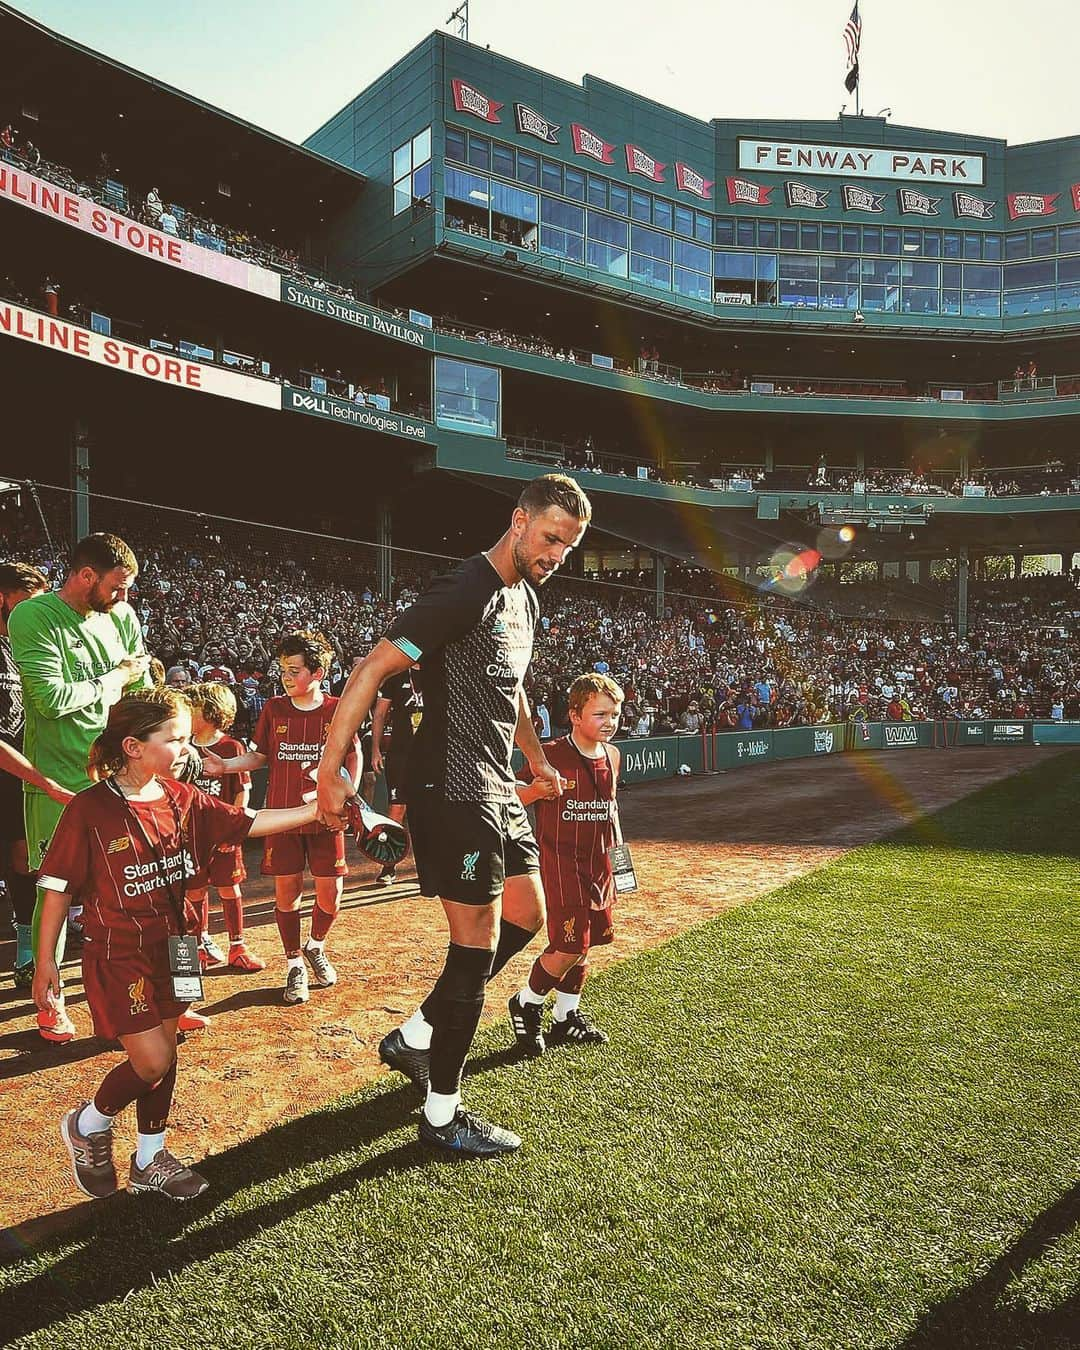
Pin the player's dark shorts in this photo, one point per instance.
(130, 993)
(225, 868)
(365, 751)
(466, 850)
(11, 809)
(577, 928)
(286, 855)
(394, 766)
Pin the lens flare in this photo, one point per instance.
(846, 534)
(791, 570)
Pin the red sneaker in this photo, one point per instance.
(55, 1025)
(243, 960)
(192, 1021)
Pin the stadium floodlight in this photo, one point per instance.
(7, 488)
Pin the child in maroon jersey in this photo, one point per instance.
(125, 848)
(213, 711)
(289, 737)
(574, 833)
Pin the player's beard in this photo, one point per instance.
(524, 567)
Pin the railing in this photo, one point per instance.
(1033, 386)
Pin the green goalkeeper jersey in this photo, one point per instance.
(60, 654)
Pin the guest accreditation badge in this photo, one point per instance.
(184, 969)
(622, 866)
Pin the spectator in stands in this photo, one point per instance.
(154, 209)
(178, 677)
(168, 223)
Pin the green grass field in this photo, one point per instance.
(847, 1115)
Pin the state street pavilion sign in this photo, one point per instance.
(861, 161)
(360, 316)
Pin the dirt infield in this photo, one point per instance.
(700, 845)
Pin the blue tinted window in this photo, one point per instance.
(461, 186)
(703, 227)
(514, 202)
(1017, 244)
(1069, 239)
(839, 268)
(849, 238)
(641, 206)
(684, 221)
(729, 264)
(920, 273)
(650, 271)
(830, 238)
(871, 238)
(663, 214)
(981, 304)
(1030, 274)
(479, 152)
(972, 245)
(607, 243)
(952, 244)
(528, 169)
(467, 396)
(981, 278)
(932, 243)
(992, 247)
(766, 267)
(745, 233)
(597, 191)
(620, 199)
(881, 271)
(608, 229)
(421, 189)
(918, 300)
(724, 232)
(890, 240)
(789, 234)
(455, 144)
(551, 176)
(651, 243)
(693, 255)
(809, 237)
(562, 214)
(562, 244)
(766, 233)
(881, 298)
(950, 275)
(797, 266)
(913, 241)
(574, 184)
(1043, 242)
(502, 160)
(692, 284)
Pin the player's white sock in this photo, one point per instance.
(315, 946)
(147, 1147)
(565, 1003)
(527, 995)
(440, 1107)
(92, 1121)
(204, 936)
(291, 961)
(417, 1032)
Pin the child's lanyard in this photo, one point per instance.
(596, 784)
(157, 852)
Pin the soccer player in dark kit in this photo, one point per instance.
(473, 632)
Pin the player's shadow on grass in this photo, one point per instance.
(36, 1055)
(128, 1242)
(980, 1318)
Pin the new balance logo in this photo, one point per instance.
(468, 866)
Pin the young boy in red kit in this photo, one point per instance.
(289, 737)
(213, 711)
(575, 833)
(125, 848)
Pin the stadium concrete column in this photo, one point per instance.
(80, 479)
(924, 571)
(384, 570)
(658, 577)
(962, 593)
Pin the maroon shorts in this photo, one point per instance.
(578, 928)
(225, 868)
(285, 855)
(130, 993)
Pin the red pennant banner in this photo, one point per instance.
(1076, 196)
(689, 180)
(742, 193)
(639, 161)
(1032, 204)
(470, 100)
(587, 142)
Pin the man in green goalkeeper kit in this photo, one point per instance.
(77, 650)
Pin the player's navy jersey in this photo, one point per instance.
(474, 636)
(406, 708)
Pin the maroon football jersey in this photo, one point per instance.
(291, 737)
(229, 785)
(576, 830)
(121, 858)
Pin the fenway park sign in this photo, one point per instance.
(861, 161)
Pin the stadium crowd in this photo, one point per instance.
(722, 657)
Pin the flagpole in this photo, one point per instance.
(858, 82)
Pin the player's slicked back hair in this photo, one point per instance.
(313, 647)
(102, 552)
(139, 715)
(216, 702)
(19, 576)
(586, 686)
(555, 489)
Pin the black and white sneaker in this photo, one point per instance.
(469, 1136)
(324, 973)
(386, 877)
(397, 1053)
(575, 1029)
(527, 1022)
(296, 985)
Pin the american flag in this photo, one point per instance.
(852, 35)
